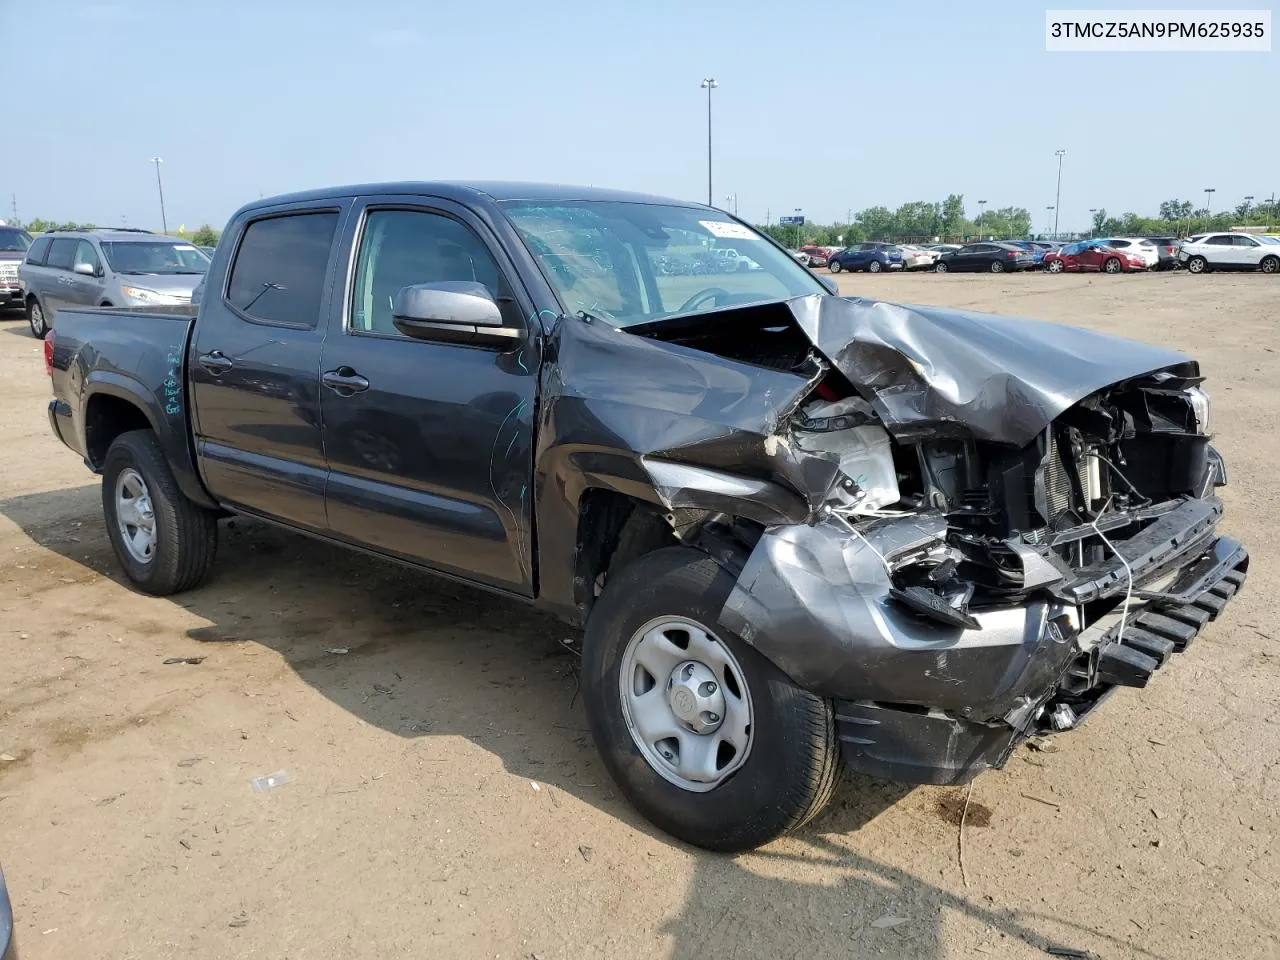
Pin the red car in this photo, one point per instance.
(818, 256)
(1085, 257)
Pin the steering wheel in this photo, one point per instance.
(711, 293)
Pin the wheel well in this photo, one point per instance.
(613, 530)
(105, 418)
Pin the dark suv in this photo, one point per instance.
(1168, 249)
(872, 257)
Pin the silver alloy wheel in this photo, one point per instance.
(36, 320)
(1113, 265)
(874, 266)
(1270, 265)
(1055, 266)
(940, 267)
(134, 515)
(1196, 265)
(685, 701)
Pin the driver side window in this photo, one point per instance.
(400, 248)
(87, 255)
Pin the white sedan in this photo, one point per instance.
(918, 258)
(1138, 246)
(1230, 251)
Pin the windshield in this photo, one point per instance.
(630, 263)
(135, 256)
(1266, 239)
(15, 241)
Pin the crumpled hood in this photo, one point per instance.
(930, 371)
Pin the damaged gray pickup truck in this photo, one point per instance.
(797, 528)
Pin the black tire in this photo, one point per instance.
(834, 266)
(186, 535)
(940, 267)
(1197, 265)
(790, 773)
(1270, 265)
(873, 266)
(997, 266)
(1112, 265)
(1055, 266)
(36, 319)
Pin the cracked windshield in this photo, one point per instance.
(631, 263)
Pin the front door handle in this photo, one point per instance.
(344, 381)
(214, 362)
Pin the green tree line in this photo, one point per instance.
(203, 236)
(946, 220)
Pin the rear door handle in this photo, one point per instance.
(214, 362)
(344, 381)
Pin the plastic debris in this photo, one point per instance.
(888, 921)
(270, 781)
(189, 761)
(8, 757)
(194, 661)
(1068, 952)
(241, 919)
(586, 852)
(339, 651)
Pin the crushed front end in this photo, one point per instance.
(1006, 522)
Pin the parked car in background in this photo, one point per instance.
(818, 256)
(1092, 256)
(1036, 250)
(720, 482)
(106, 268)
(1136, 245)
(872, 257)
(1166, 251)
(207, 251)
(800, 256)
(991, 256)
(8, 944)
(918, 258)
(942, 248)
(1230, 251)
(14, 242)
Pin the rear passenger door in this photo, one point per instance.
(55, 278)
(1219, 249)
(430, 443)
(254, 365)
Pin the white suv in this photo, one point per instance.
(1138, 246)
(1230, 251)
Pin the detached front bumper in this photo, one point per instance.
(920, 701)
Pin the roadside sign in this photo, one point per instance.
(791, 221)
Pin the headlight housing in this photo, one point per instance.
(1199, 402)
(149, 296)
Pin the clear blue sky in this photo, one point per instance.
(822, 106)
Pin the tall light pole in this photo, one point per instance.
(164, 223)
(1051, 209)
(1057, 200)
(982, 209)
(1092, 211)
(1208, 200)
(731, 203)
(709, 84)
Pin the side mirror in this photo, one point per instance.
(453, 311)
(830, 284)
(85, 269)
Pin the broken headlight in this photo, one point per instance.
(1199, 401)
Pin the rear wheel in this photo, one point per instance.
(165, 543)
(704, 735)
(873, 266)
(997, 266)
(834, 266)
(1197, 265)
(35, 319)
(1113, 265)
(1270, 265)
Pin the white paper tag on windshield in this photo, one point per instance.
(183, 246)
(726, 230)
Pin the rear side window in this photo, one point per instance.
(39, 250)
(1219, 241)
(62, 253)
(279, 272)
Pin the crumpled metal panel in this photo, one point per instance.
(929, 371)
(814, 600)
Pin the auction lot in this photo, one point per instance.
(443, 798)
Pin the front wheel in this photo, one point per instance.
(834, 266)
(940, 267)
(1113, 265)
(1270, 265)
(997, 266)
(702, 734)
(873, 266)
(1055, 266)
(35, 319)
(165, 543)
(1197, 265)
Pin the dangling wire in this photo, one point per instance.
(1128, 594)
(859, 534)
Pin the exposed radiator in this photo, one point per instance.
(1059, 491)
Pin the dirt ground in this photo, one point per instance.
(443, 798)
